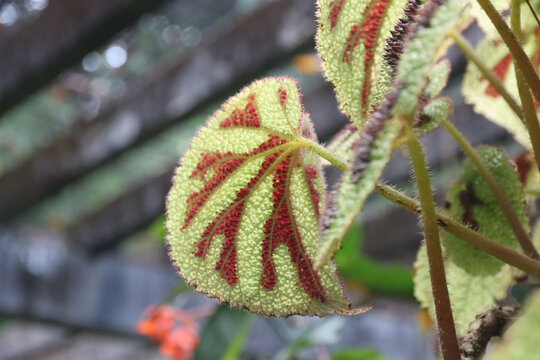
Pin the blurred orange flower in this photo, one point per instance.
(176, 330)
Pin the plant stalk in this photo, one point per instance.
(529, 110)
(506, 208)
(520, 58)
(486, 72)
(443, 310)
(502, 253)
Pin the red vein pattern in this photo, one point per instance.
(335, 8)
(281, 228)
(282, 93)
(368, 31)
(500, 71)
(246, 118)
(311, 174)
(226, 223)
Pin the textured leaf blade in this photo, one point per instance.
(351, 42)
(484, 97)
(521, 340)
(422, 52)
(471, 201)
(244, 209)
(469, 293)
(476, 280)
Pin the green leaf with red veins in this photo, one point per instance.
(484, 98)
(351, 41)
(243, 213)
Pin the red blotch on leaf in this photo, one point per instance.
(335, 8)
(246, 118)
(282, 93)
(368, 31)
(500, 71)
(281, 228)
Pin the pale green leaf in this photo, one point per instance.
(351, 42)
(469, 293)
(521, 340)
(471, 201)
(420, 55)
(243, 213)
(435, 112)
(503, 7)
(484, 98)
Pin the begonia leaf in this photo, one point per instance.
(243, 213)
(483, 96)
(351, 41)
(471, 201)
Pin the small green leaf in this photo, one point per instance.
(521, 340)
(471, 201)
(351, 41)
(469, 293)
(435, 112)
(243, 213)
(222, 335)
(357, 354)
(483, 96)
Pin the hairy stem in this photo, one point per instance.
(529, 110)
(324, 153)
(506, 208)
(502, 253)
(443, 310)
(520, 58)
(486, 72)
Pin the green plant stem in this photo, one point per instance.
(443, 310)
(474, 238)
(502, 253)
(529, 111)
(520, 58)
(324, 153)
(506, 208)
(486, 72)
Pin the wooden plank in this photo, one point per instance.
(59, 37)
(216, 68)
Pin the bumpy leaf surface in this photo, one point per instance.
(469, 293)
(373, 144)
(485, 99)
(521, 340)
(471, 202)
(244, 210)
(418, 61)
(351, 42)
(475, 279)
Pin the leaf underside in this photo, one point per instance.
(244, 210)
(351, 42)
(483, 96)
(475, 279)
